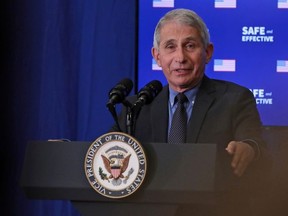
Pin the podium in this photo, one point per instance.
(177, 174)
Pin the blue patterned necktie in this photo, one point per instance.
(179, 121)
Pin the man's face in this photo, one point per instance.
(182, 55)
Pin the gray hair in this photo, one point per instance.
(183, 16)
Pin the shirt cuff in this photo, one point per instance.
(255, 147)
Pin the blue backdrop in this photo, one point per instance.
(61, 58)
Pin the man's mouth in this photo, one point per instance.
(182, 70)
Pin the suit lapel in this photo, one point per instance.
(159, 112)
(204, 99)
(159, 118)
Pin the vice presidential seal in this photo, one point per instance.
(115, 165)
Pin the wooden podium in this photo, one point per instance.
(177, 174)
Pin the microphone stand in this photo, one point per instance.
(129, 117)
(131, 114)
(112, 110)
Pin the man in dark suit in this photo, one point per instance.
(218, 112)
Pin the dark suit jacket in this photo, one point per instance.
(222, 112)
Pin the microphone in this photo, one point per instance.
(119, 92)
(147, 94)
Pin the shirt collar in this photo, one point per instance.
(190, 94)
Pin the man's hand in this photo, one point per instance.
(242, 153)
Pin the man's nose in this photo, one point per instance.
(180, 55)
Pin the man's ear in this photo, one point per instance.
(209, 52)
(155, 54)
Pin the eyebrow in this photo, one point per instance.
(190, 39)
(185, 40)
(169, 41)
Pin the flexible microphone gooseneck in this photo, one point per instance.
(117, 95)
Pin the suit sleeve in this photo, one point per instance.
(247, 122)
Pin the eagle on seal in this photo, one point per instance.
(116, 166)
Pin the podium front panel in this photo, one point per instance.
(176, 173)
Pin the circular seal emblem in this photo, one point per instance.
(115, 165)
